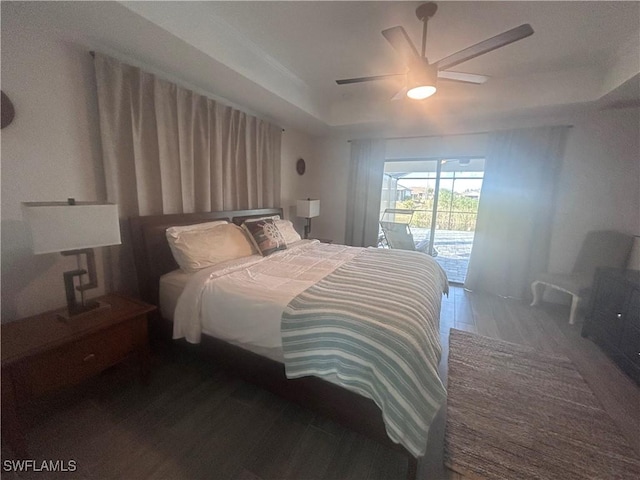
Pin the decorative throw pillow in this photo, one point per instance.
(265, 235)
(287, 231)
(195, 249)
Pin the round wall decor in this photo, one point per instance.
(301, 166)
(8, 111)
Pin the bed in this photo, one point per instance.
(285, 354)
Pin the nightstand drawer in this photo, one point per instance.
(76, 361)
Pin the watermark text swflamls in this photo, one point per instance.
(39, 465)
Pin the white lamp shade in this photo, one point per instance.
(59, 227)
(307, 208)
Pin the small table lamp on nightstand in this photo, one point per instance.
(307, 209)
(73, 228)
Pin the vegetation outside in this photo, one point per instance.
(455, 210)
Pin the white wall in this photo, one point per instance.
(51, 151)
(599, 186)
(296, 145)
(330, 186)
(436, 146)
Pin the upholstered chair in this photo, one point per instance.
(603, 248)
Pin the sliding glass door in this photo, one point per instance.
(443, 196)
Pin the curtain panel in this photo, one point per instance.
(515, 214)
(366, 171)
(167, 149)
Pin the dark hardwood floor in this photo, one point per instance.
(194, 421)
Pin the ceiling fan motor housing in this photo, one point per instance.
(421, 73)
(426, 11)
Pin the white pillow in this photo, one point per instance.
(198, 248)
(173, 231)
(287, 231)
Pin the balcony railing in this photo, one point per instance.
(445, 220)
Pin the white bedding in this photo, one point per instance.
(242, 301)
(171, 286)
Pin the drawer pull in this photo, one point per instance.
(619, 315)
(89, 357)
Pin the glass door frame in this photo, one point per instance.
(434, 210)
(436, 174)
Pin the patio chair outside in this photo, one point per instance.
(397, 232)
(603, 248)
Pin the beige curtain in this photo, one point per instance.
(516, 208)
(167, 149)
(366, 171)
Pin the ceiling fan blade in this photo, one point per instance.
(463, 77)
(486, 46)
(346, 81)
(400, 95)
(398, 38)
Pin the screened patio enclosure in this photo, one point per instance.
(444, 194)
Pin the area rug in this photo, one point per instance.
(516, 413)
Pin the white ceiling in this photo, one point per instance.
(319, 41)
(281, 59)
(580, 52)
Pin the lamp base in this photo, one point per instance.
(75, 308)
(90, 308)
(307, 228)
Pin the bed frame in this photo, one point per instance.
(153, 259)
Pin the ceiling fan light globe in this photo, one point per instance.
(421, 92)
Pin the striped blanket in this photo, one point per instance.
(372, 324)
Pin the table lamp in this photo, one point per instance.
(308, 209)
(73, 228)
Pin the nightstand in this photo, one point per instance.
(45, 353)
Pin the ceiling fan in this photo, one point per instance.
(421, 76)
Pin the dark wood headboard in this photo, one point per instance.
(152, 255)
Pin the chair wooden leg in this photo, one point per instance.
(575, 300)
(537, 289)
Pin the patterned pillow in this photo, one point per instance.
(265, 235)
(289, 234)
